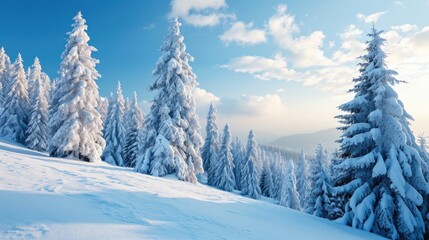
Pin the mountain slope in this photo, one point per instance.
(309, 141)
(52, 198)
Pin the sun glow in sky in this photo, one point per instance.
(279, 67)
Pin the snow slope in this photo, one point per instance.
(53, 198)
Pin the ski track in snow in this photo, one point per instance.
(53, 198)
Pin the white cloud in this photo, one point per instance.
(280, 90)
(148, 27)
(204, 98)
(306, 50)
(200, 13)
(244, 34)
(265, 114)
(372, 18)
(398, 3)
(405, 28)
(336, 79)
(263, 68)
(351, 47)
(253, 105)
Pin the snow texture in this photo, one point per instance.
(53, 198)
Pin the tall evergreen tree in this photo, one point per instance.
(1, 96)
(127, 115)
(223, 167)
(211, 145)
(302, 180)
(172, 132)
(14, 118)
(289, 196)
(385, 180)
(267, 185)
(319, 200)
(249, 175)
(103, 105)
(75, 123)
(238, 156)
(37, 131)
(136, 118)
(4, 79)
(114, 133)
(277, 171)
(37, 79)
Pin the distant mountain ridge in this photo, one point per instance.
(309, 141)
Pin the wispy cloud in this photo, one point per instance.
(243, 34)
(200, 13)
(372, 18)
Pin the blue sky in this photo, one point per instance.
(279, 67)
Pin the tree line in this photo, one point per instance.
(376, 181)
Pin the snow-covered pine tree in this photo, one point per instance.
(4, 79)
(337, 201)
(249, 175)
(385, 175)
(34, 75)
(223, 167)
(1, 97)
(172, 138)
(75, 123)
(136, 118)
(37, 131)
(103, 105)
(319, 200)
(277, 172)
(238, 156)
(14, 118)
(114, 133)
(127, 115)
(267, 185)
(302, 180)
(211, 146)
(110, 104)
(289, 196)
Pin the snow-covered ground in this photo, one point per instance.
(53, 198)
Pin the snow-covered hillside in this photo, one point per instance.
(53, 198)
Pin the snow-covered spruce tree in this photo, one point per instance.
(36, 79)
(238, 156)
(337, 201)
(319, 200)
(249, 175)
(103, 105)
(4, 79)
(289, 196)
(277, 172)
(14, 118)
(37, 131)
(172, 131)
(211, 146)
(385, 179)
(136, 118)
(127, 115)
(114, 133)
(267, 185)
(302, 179)
(223, 167)
(75, 123)
(110, 104)
(1, 97)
